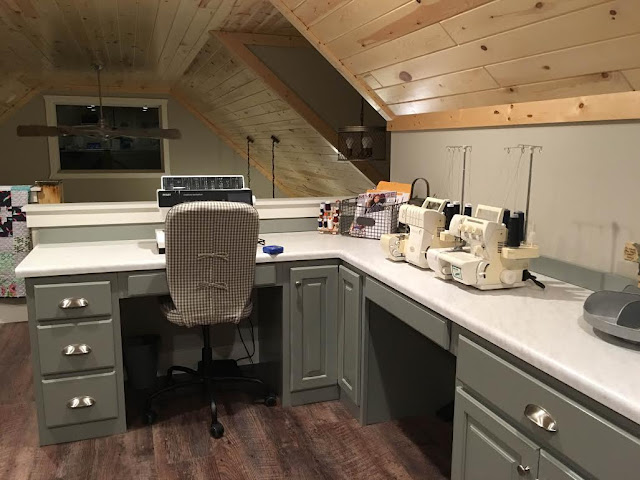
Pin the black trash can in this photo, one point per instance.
(141, 360)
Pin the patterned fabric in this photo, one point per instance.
(15, 241)
(211, 261)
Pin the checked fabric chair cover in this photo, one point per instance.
(211, 259)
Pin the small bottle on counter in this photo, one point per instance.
(320, 221)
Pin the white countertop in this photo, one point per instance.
(543, 328)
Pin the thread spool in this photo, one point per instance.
(506, 216)
(468, 210)
(449, 212)
(522, 224)
(456, 207)
(514, 234)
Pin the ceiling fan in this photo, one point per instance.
(100, 130)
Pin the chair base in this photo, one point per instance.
(209, 373)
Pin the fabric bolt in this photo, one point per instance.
(15, 241)
(211, 258)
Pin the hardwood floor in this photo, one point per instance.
(319, 441)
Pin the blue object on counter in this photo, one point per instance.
(272, 249)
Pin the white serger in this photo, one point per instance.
(487, 263)
(425, 224)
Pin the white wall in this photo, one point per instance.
(200, 151)
(585, 193)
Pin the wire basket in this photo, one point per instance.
(359, 221)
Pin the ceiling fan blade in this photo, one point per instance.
(160, 133)
(96, 131)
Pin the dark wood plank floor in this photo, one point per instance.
(320, 441)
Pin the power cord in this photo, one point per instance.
(253, 344)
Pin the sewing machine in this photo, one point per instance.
(487, 264)
(199, 188)
(425, 224)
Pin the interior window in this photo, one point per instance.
(97, 153)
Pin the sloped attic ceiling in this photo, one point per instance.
(165, 46)
(413, 57)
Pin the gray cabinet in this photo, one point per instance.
(488, 448)
(349, 332)
(552, 469)
(313, 317)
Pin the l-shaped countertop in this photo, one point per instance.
(544, 328)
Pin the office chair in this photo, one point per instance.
(211, 258)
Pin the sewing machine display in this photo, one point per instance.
(199, 188)
(487, 263)
(425, 225)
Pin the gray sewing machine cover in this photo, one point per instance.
(15, 241)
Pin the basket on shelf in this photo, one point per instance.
(360, 221)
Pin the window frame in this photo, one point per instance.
(51, 101)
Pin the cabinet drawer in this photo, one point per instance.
(92, 299)
(428, 323)
(74, 347)
(265, 275)
(58, 397)
(590, 441)
(147, 284)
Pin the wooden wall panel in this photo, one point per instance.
(502, 15)
(243, 104)
(397, 23)
(595, 84)
(583, 27)
(621, 53)
(460, 82)
(403, 51)
(633, 77)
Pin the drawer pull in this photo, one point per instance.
(522, 471)
(73, 302)
(84, 401)
(76, 349)
(298, 284)
(541, 418)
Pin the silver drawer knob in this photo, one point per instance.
(522, 471)
(76, 349)
(81, 402)
(298, 284)
(73, 302)
(541, 417)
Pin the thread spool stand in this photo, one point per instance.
(531, 150)
(465, 149)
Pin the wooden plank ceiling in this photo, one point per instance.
(438, 55)
(165, 46)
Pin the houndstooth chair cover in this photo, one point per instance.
(211, 260)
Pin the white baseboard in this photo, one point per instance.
(13, 310)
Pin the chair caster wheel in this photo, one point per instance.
(216, 430)
(150, 417)
(270, 400)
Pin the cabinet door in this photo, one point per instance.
(314, 337)
(349, 333)
(485, 447)
(552, 469)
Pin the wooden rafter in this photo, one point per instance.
(237, 43)
(361, 86)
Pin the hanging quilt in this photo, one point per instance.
(15, 241)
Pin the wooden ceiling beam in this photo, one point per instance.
(235, 43)
(595, 108)
(361, 87)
